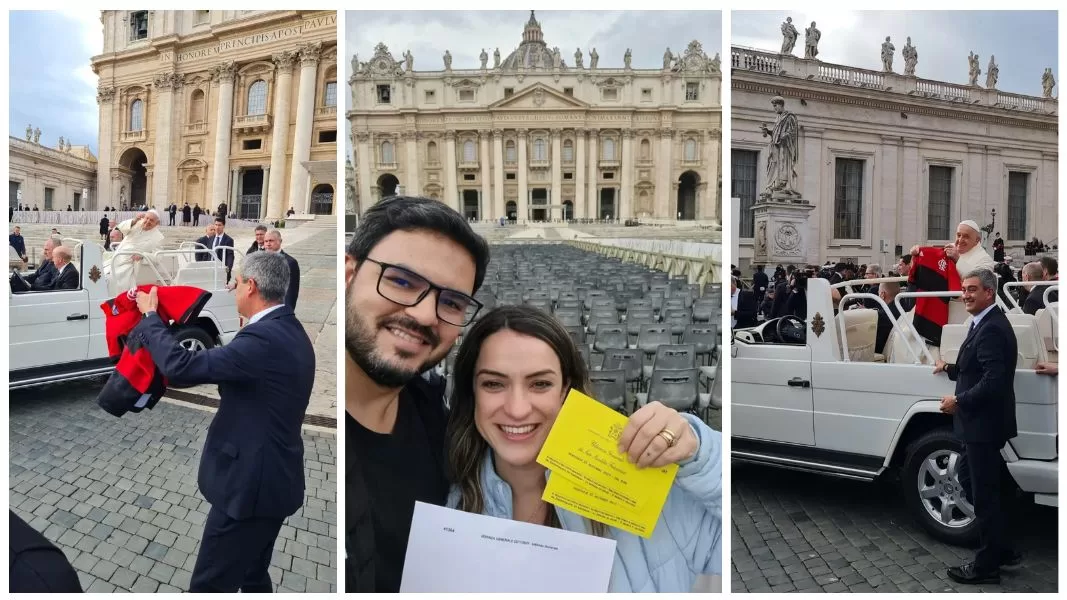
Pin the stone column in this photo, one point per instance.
(814, 178)
(266, 182)
(665, 171)
(1042, 199)
(557, 175)
(909, 219)
(593, 201)
(235, 192)
(451, 189)
(499, 206)
(279, 137)
(363, 162)
(305, 113)
(886, 207)
(105, 195)
(223, 74)
(166, 84)
(485, 210)
(974, 192)
(579, 174)
(625, 205)
(709, 209)
(524, 192)
(149, 190)
(411, 153)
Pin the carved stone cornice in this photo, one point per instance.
(105, 95)
(310, 54)
(283, 61)
(224, 72)
(169, 81)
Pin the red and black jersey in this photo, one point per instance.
(136, 383)
(932, 271)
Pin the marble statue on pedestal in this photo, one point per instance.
(812, 35)
(782, 153)
(887, 55)
(667, 58)
(29, 128)
(448, 60)
(594, 58)
(496, 58)
(578, 58)
(789, 36)
(409, 61)
(62, 144)
(626, 58)
(992, 73)
(973, 70)
(37, 135)
(1048, 81)
(911, 57)
(484, 57)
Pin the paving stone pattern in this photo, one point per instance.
(119, 496)
(801, 532)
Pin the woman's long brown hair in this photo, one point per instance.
(465, 446)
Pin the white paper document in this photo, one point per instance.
(455, 551)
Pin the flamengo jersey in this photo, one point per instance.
(932, 271)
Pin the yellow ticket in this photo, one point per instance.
(597, 480)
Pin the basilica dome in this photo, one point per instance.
(533, 52)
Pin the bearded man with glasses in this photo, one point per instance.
(411, 272)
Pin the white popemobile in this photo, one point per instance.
(59, 335)
(813, 396)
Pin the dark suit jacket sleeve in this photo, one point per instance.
(228, 241)
(995, 376)
(294, 283)
(68, 280)
(236, 361)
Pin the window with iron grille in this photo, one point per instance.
(743, 186)
(138, 25)
(137, 116)
(692, 91)
(940, 205)
(257, 98)
(330, 97)
(1018, 188)
(848, 199)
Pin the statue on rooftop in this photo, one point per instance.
(1048, 81)
(973, 70)
(992, 73)
(789, 36)
(911, 57)
(887, 55)
(812, 35)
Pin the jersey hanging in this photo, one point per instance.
(932, 271)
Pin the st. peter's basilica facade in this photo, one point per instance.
(535, 137)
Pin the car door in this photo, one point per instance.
(771, 396)
(48, 328)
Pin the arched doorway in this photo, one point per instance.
(568, 210)
(687, 196)
(322, 199)
(511, 209)
(134, 159)
(387, 185)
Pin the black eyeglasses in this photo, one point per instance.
(408, 288)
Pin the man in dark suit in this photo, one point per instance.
(67, 277)
(206, 240)
(272, 242)
(760, 282)
(744, 306)
(173, 210)
(252, 468)
(983, 418)
(261, 231)
(46, 272)
(221, 241)
(16, 241)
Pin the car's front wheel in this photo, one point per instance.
(194, 339)
(930, 480)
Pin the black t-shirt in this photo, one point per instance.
(399, 469)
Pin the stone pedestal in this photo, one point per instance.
(781, 235)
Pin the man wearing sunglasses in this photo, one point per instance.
(411, 272)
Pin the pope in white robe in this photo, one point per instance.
(140, 234)
(967, 252)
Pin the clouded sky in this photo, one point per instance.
(52, 86)
(465, 33)
(1024, 42)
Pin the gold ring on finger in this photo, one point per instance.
(669, 437)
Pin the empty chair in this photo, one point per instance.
(577, 334)
(609, 388)
(602, 317)
(603, 303)
(627, 359)
(705, 311)
(569, 318)
(610, 336)
(583, 351)
(673, 357)
(704, 338)
(569, 303)
(543, 304)
(639, 303)
(593, 294)
(678, 319)
(651, 337)
(678, 389)
(636, 317)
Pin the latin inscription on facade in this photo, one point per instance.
(247, 41)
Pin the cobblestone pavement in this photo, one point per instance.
(801, 532)
(119, 496)
(314, 246)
